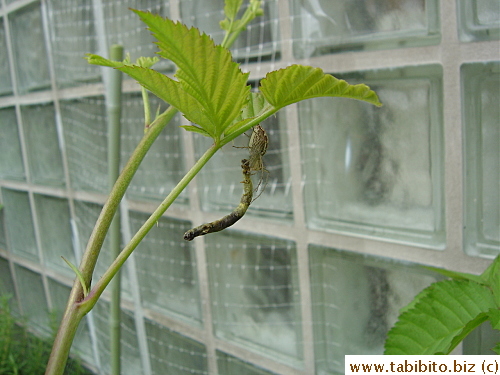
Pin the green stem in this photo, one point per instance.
(65, 335)
(103, 222)
(226, 35)
(76, 311)
(147, 109)
(254, 9)
(99, 287)
(114, 110)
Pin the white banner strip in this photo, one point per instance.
(417, 364)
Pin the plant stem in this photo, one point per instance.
(114, 110)
(103, 222)
(99, 287)
(66, 333)
(147, 109)
(74, 311)
(77, 308)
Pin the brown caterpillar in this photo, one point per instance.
(233, 217)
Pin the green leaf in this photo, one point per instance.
(298, 82)
(444, 312)
(495, 287)
(415, 300)
(494, 316)
(468, 328)
(231, 8)
(206, 71)
(496, 349)
(456, 275)
(99, 60)
(146, 62)
(196, 129)
(491, 277)
(79, 275)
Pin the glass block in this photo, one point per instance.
(82, 345)
(478, 20)
(166, 268)
(55, 232)
(7, 285)
(481, 114)
(219, 182)
(130, 357)
(19, 224)
(378, 172)
(174, 354)
(86, 138)
(163, 165)
(32, 299)
(86, 215)
(229, 365)
(5, 81)
(324, 26)
(30, 55)
(11, 162)
(355, 300)
(255, 293)
(259, 41)
(42, 145)
(73, 35)
(125, 27)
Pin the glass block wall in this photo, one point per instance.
(356, 200)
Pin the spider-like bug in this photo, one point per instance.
(258, 147)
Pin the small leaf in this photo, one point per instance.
(443, 313)
(79, 275)
(196, 129)
(99, 60)
(146, 62)
(225, 24)
(298, 82)
(231, 8)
